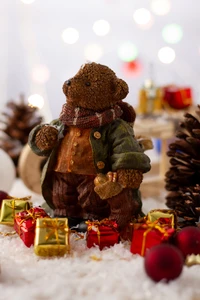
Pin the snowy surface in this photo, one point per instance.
(111, 274)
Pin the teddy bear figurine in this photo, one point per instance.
(95, 164)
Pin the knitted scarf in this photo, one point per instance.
(86, 118)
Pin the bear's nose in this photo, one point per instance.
(68, 82)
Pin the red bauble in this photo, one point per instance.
(3, 195)
(163, 261)
(188, 240)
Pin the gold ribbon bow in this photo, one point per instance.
(149, 226)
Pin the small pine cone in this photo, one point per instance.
(46, 137)
(130, 178)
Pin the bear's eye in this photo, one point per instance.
(87, 83)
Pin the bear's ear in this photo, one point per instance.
(121, 89)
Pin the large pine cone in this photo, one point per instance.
(185, 165)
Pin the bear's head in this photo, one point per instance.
(95, 87)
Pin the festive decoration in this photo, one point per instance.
(18, 119)
(150, 99)
(8, 171)
(30, 167)
(51, 237)
(149, 234)
(188, 240)
(92, 138)
(12, 206)
(102, 233)
(132, 68)
(177, 97)
(163, 216)
(192, 260)
(184, 173)
(25, 222)
(163, 262)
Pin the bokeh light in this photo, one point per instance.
(166, 55)
(143, 18)
(172, 33)
(127, 52)
(40, 74)
(36, 100)
(132, 68)
(93, 52)
(28, 1)
(160, 7)
(70, 35)
(101, 27)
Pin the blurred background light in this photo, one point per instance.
(36, 100)
(28, 1)
(70, 35)
(132, 68)
(166, 55)
(40, 74)
(93, 52)
(172, 33)
(143, 18)
(101, 27)
(127, 52)
(160, 7)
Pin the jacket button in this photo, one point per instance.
(100, 164)
(97, 135)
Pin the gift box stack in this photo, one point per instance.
(157, 227)
(50, 236)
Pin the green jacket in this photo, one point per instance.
(113, 145)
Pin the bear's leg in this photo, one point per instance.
(93, 206)
(65, 197)
(125, 206)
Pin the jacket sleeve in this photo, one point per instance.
(126, 153)
(32, 136)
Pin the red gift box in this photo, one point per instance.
(102, 233)
(25, 222)
(147, 235)
(177, 97)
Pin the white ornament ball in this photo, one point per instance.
(7, 171)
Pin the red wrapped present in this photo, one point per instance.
(25, 222)
(102, 233)
(163, 216)
(178, 97)
(149, 234)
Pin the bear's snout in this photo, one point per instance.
(68, 82)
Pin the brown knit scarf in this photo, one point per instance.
(86, 118)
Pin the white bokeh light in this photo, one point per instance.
(70, 35)
(143, 18)
(172, 33)
(28, 1)
(36, 100)
(40, 74)
(93, 52)
(160, 7)
(101, 27)
(166, 55)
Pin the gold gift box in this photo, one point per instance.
(10, 207)
(51, 237)
(165, 216)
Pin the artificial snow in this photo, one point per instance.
(112, 274)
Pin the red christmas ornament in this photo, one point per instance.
(163, 261)
(188, 240)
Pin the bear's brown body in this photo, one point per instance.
(95, 164)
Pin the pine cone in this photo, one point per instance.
(16, 122)
(183, 177)
(186, 204)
